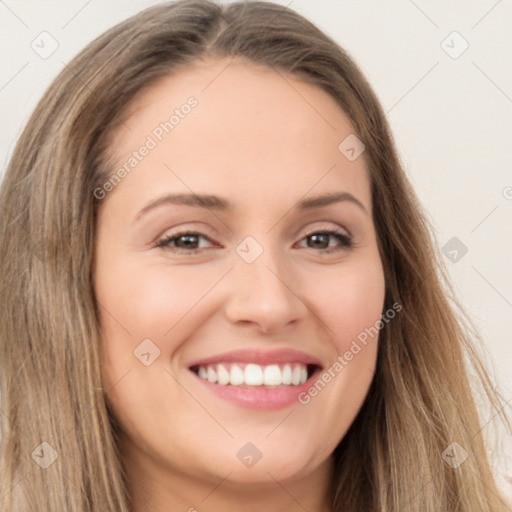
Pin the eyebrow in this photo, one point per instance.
(212, 202)
(327, 199)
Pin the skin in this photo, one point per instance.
(262, 140)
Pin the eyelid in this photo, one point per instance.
(188, 229)
(338, 229)
(164, 239)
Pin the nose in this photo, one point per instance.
(264, 294)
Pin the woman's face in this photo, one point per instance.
(215, 274)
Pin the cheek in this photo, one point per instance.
(350, 305)
(349, 300)
(140, 302)
(148, 301)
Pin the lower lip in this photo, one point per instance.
(259, 398)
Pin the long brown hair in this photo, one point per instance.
(420, 401)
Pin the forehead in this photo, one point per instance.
(252, 129)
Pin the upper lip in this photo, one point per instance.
(261, 357)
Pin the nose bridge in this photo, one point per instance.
(262, 289)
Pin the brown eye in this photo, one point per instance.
(321, 240)
(186, 242)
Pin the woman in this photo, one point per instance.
(221, 291)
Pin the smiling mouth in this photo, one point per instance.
(250, 375)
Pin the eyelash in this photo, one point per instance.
(345, 240)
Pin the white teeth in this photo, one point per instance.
(222, 375)
(296, 375)
(211, 374)
(272, 375)
(254, 374)
(286, 376)
(236, 375)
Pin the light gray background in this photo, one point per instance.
(451, 115)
